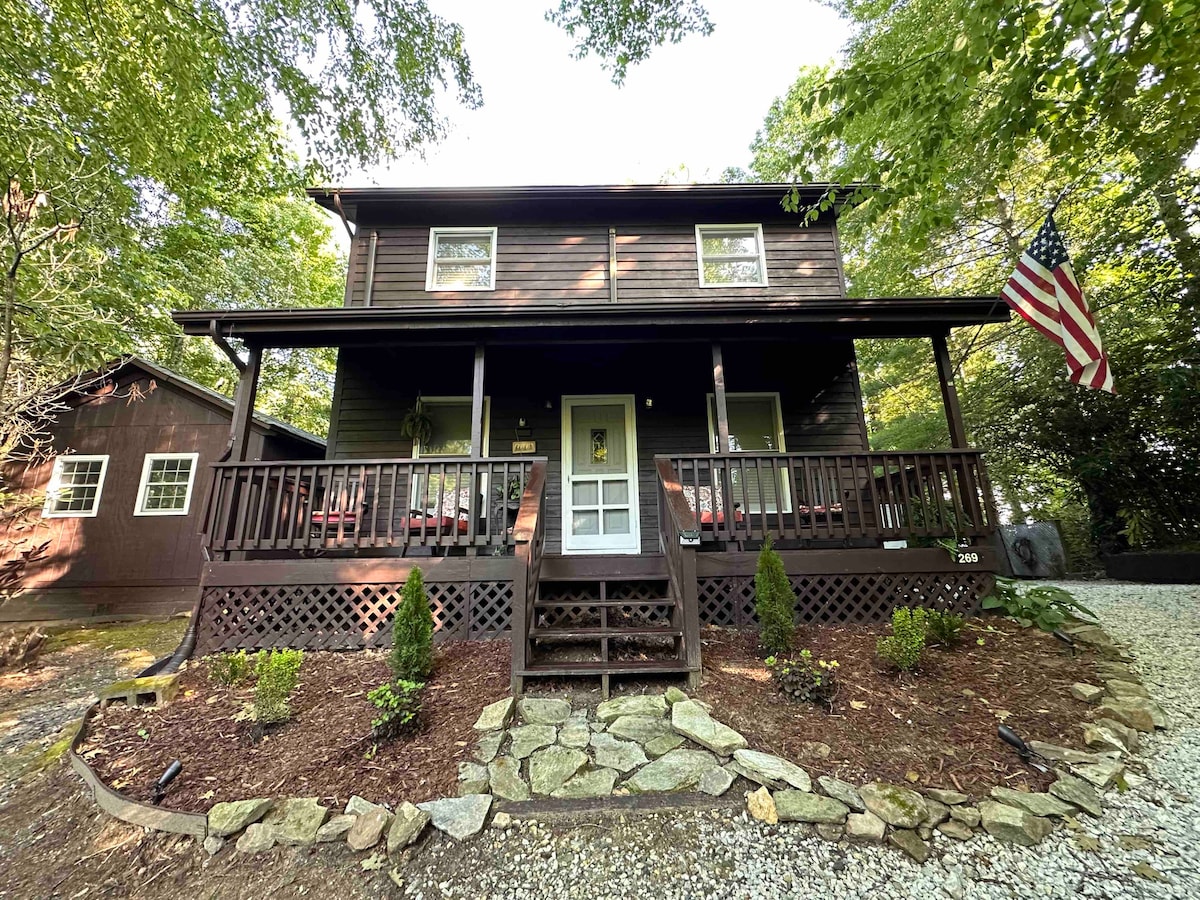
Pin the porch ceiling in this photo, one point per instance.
(595, 322)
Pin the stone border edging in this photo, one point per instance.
(127, 810)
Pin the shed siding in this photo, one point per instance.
(818, 399)
(553, 264)
(115, 547)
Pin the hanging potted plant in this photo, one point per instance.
(417, 424)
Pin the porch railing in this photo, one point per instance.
(529, 535)
(817, 496)
(364, 504)
(679, 536)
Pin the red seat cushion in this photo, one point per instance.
(334, 517)
(706, 517)
(431, 524)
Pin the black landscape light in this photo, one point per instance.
(160, 786)
(1066, 639)
(1027, 753)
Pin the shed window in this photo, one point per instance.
(461, 259)
(166, 485)
(75, 486)
(731, 255)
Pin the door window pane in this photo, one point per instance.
(585, 493)
(616, 521)
(616, 493)
(585, 522)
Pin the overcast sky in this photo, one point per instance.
(551, 119)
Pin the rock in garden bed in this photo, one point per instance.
(321, 752)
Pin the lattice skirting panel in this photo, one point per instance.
(846, 598)
(343, 616)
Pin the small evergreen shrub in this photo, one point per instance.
(229, 668)
(412, 632)
(944, 628)
(902, 648)
(775, 602)
(805, 679)
(399, 708)
(277, 671)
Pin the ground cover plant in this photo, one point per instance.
(399, 706)
(805, 679)
(944, 628)
(1046, 606)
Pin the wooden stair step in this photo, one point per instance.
(554, 604)
(609, 632)
(613, 667)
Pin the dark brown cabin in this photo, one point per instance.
(618, 394)
(124, 494)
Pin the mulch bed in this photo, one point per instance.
(321, 752)
(933, 728)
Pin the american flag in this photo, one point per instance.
(1044, 292)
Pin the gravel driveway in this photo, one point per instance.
(717, 854)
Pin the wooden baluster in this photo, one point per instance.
(855, 462)
(960, 512)
(902, 474)
(890, 493)
(393, 492)
(970, 490)
(879, 525)
(841, 519)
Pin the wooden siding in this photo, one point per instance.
(816, 383)
(115, 548)
(553, 264)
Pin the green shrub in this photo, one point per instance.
(412, 632)
(944, 628)
(277, 671)
(775, 602)
(1045, 606)
(902, 648)
(229, 668)
(804, 679)
(399, 707)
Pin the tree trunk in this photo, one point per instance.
(10, 305)
(1183, 243)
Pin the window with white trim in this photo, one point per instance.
(166, 485)
(731, 256)
(75, 486)
(461, 259)
(449, 436)
(755, 427)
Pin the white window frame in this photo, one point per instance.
(144, 484)
(48, 511)
(431, 267)
(414, 489)
(714, 438)
(762, 255)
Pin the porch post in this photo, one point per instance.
(477, 405)
(243, 406)
(719, 396)
(941, 355)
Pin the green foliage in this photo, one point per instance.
(1046, 606)
(774, 601)
(399, 706)
(229, 668)
(803, 678)
(944, 627)
(623, 33)
(278, 672)
(903, 647)
(412, 632)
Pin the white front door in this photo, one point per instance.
(600, 496)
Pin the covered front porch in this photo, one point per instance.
(630, 543)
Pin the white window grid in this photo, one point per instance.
(166, 485)
(75, 486)
(759, 257)
(436, 259)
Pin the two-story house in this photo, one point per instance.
(580, 410)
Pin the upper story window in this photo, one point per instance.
(461, 259)
(166, 485)
(731, 255)
(75, 486)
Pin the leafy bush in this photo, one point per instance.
(805, 679)
(399, 706)
(1045, 606)
(412, 632)
(775, 602)
(277, 671)
(902, 648)
(229, 668)
(944, 627)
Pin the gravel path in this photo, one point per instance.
(717, 853)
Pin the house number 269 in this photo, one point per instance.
(967, 556)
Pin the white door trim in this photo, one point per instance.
(569, 401)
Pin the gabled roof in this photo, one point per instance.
(209, 397)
